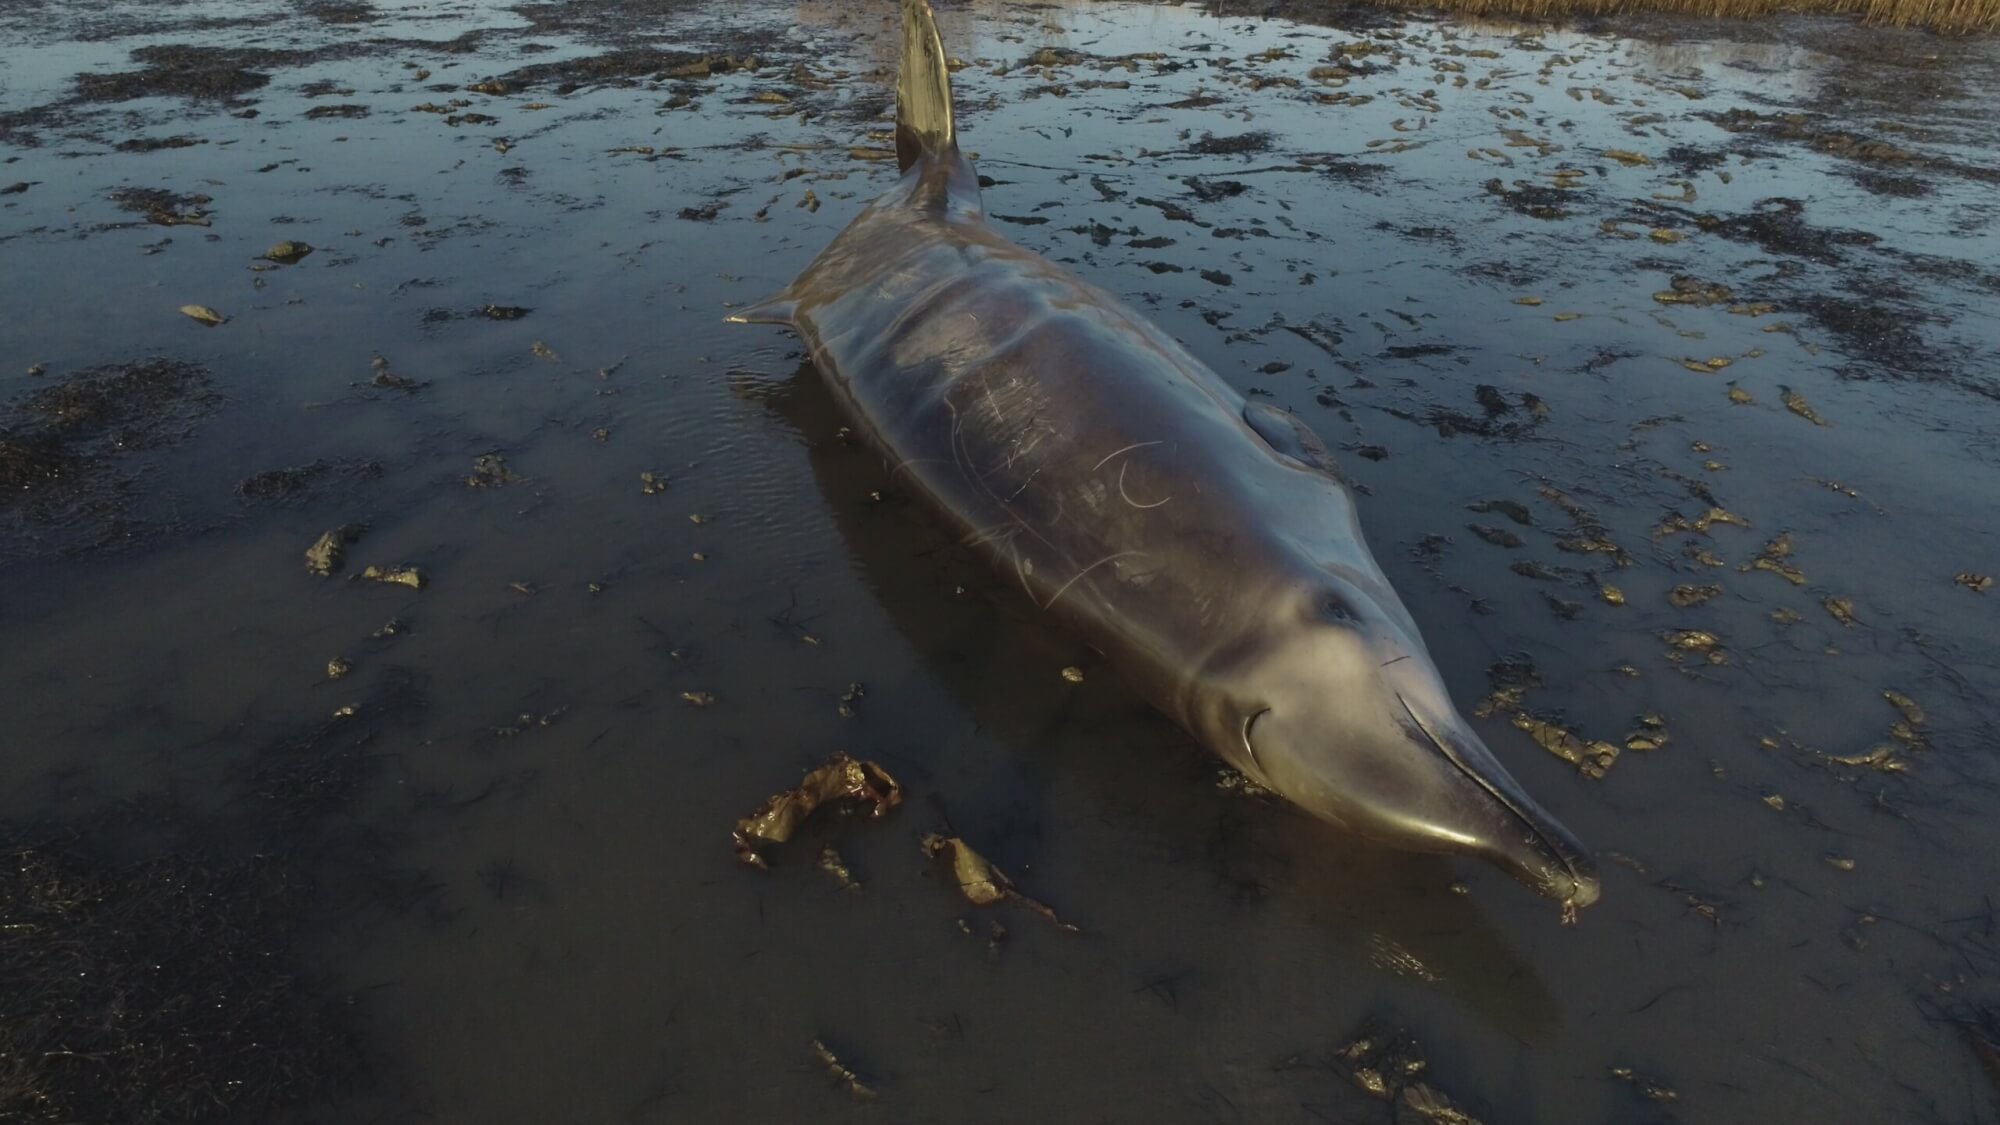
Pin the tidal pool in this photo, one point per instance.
(1665, 353)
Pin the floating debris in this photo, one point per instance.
(1498, 536)
(1685, 290)
(543, 351)
(1739, 397)
(1776, 558)
(288, 253)
(1235, 783)
(1908, 708)
(652, 484)
(1073, 674)
(1588, 536)
(1386, 1063)
(489, 470)
(1612, 595)
(831, 863)
(1675, 523)
(1885, 757)
(1702, 555)
(527, 721)
(1686, 597)
(1514, 511)
(203, 314)
(1381, 1060)
(698, 698)
(338, 668)
(1593, 758)
(1839, 862)
(849, 698)
(842, 1076)
(982, 883)
(1977, 583)
(841, 778)
(1511, 680)
(1842, 610)
(395, 576)
(1797, 404)
(1651, 735)
(329, 552)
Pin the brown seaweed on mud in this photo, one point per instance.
(842, 778)
(1387, 1063)
(979, 881)
(1511, 681)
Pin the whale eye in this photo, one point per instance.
(1337, 609)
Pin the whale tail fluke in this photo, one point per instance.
(923, 89)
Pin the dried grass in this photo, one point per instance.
(1958, 17)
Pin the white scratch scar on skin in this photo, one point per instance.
(1086, 570)
(1128, 496)
(1116, 452)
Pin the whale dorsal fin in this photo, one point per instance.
(923, 89)
(1285, 434)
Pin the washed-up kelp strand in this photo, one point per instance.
(841, 778)
(982, 883)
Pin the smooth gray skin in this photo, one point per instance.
(1204, 545)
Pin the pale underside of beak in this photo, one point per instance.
(1517, 834)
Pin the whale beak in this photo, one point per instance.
(1511, 830)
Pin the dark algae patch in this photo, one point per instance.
(199, 73)
(163, 207)
(60, 445)
(151, 956)
(48, 437)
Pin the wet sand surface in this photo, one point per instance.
(1666, 353)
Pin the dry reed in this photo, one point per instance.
(1959, 17)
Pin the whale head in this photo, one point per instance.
(1334, 704)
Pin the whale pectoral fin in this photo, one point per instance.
(775, 309)
(1285, 434)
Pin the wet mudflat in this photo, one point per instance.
(409, 580)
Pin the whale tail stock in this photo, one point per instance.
(923, 89)
(926, 138)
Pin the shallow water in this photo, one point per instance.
(571, 938)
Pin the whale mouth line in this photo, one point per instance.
(1249, 744)
(1560, 854)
